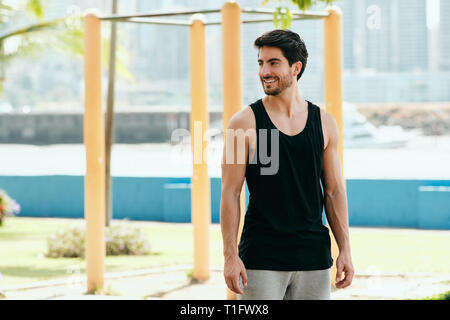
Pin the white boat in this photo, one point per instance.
(360, 133)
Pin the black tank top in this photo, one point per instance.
(283, 228)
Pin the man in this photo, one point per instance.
(285, 250)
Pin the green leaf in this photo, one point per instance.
(307, 4)
(35, 7)
(275, 19)
(5, 7)
(121, 57)
(285, 18)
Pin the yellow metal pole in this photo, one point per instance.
(232, 81)
(333, 90)
(94, 180)
(200, 192)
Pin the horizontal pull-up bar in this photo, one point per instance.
(159, 14)
(167, 22)
(170, 22)
(258, 20)
(138, 18)
(295, 13)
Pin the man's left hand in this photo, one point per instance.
(344, 265)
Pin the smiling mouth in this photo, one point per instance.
(269, 81)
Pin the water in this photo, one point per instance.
(422, 158)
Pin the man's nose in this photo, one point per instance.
(265, 71)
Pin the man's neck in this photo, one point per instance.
(289, 102)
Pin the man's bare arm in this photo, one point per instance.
(336, 202)
(233, 175)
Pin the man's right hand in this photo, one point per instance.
(233, 268)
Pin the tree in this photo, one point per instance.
(63, 34)
(109, 127)
(282, 17)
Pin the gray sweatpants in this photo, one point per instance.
(286, 285)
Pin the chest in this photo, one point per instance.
(288, 127)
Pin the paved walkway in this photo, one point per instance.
(174, 284)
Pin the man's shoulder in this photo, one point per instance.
(329, 126)
(327, 119)
(243, 119)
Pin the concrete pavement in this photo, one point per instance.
(175, 284)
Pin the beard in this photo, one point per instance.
(278, 86)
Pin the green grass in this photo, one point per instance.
(441, 296)
(23, 246)
(400, 250)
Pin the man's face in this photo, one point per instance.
(274, 71)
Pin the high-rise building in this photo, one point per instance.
(410, 34)
(385, 35)
(444, 35)
(388, 53)
(349, 31)
(378, 29)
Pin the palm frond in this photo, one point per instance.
(121, 58)
(5, 7)
(64, 35)
(42, 26)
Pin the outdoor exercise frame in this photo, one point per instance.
(94, 134)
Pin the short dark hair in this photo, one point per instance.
(290, 43)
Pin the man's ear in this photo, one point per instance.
(297, 68)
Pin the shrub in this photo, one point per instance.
(127, 241)
(8, 206)
(441, 296)
(120, 240)
(68, 243)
